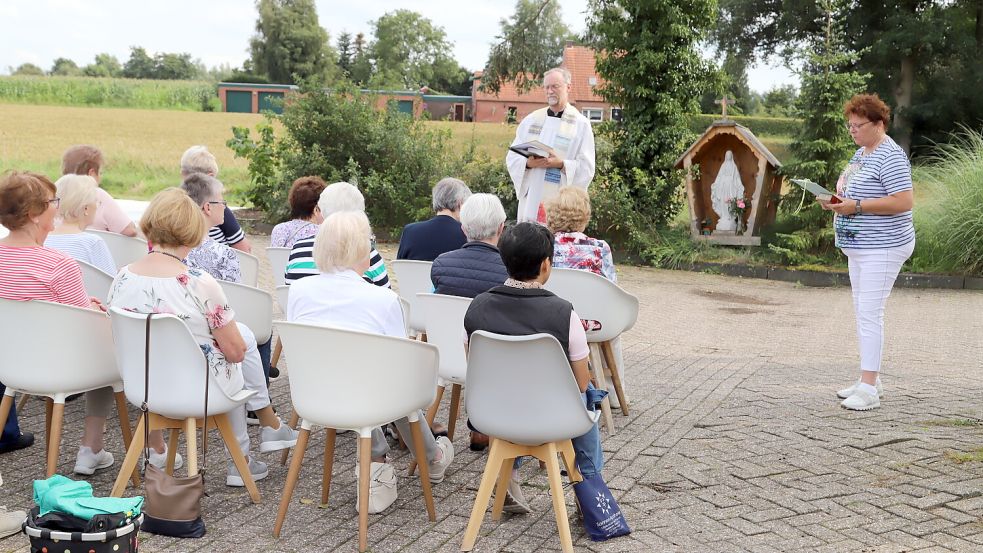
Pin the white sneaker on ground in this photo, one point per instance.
(515, 502)
(277, 439)
(438, 468)
(847, 392)
(257, 469)
(861, 401)
(159, 460)
(382, 487)
(11, 522)
(87, 462)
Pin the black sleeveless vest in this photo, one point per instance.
(520, 312)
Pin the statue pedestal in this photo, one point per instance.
(729, 238)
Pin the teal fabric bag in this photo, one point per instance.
(64, 495)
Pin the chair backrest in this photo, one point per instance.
(177, 366)
(282, 295)
(3, 231)
(413, 277)
(278, 263)
(249, 267)
(404, 306)
(97, 281)
(596, 298)
(352, 380)
(125, 249)
(50, 348)
(521, 389)
(445, 329)
(253, 308)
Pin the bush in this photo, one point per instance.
(776, 126)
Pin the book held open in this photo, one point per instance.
(817, 190)
(532, 148)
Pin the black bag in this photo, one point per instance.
(172, 506)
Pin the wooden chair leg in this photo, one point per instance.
(129, 468)
(20, 406)
(608, 351)
(124, 419)
(364, 464)
(277, 351)
(421, 452)
(455, 407)
(5, 404)
(492, 468)
(598, 372)
(49, 406)
(570, 461)
(329, 442)
(294, 421)
(54, 443)
(191, 442)
(224, 428)
(172, 450)
(292, 474)
(435, 406)
(504, 475)
(559, 503)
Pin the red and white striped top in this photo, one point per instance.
(38, 273)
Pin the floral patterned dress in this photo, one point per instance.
(576, 250)
(194, 297)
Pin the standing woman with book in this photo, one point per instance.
(874, 230)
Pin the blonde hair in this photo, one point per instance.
(197, 159)
(173, 220)
(343, 241)
(76, 192)
(568, 211)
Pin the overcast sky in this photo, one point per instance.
(218, 31)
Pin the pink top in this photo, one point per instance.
(110, 216)
(37, 273)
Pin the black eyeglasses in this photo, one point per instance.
(56, 200)
(223, 202)
(852, 126)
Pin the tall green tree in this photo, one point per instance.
(169, 66)
(140, 65)
(65, 67)
(409, 51)
(289, 44)
(105, 65)
(345, 53)
(530, 43)
(780, 101)
(361, 67)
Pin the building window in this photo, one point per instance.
(616, 114)
(594, 115)
(511, 115)
(592, 81)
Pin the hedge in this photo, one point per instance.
(782, 126)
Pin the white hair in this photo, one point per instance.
(450, 193)
(76, 192)
(340, 196)
(342, 242)
(197, 159)
(567, 77)
(481, 216)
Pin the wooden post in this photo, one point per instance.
(756, 198)
(694, 223)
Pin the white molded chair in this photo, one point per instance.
(597, 298)
(177, 391)
(522, 393)
(125, 249)
(55, 350)
(445, 329)
(281, 294)
(412, 278)
(248, 267)
(97, 281)
(3, 231)
(278, 263)
(407, 367)
(253, 308)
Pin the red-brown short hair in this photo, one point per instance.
(304, 195)
(79, 160)
(23, 195)
(868, 106)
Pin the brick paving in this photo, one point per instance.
(735, 442)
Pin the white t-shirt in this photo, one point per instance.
(345, 300)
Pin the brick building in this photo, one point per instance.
(510, 105)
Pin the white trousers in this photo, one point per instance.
(253, 380)
(872, 275)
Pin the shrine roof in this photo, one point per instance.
(744, 132)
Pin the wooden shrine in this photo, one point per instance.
(757, 169)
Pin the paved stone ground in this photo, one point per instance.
(735, 441)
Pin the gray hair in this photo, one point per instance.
(567, 77)
(481, 216)
(197, 159)
(450, 193)
(340, 196)
(201, 187)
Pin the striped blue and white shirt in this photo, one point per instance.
(83, 246)
(883, 172)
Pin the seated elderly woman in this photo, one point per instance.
(174, 225)
(336, 197)
(210, 256)
(425, 240)
(87, 160)
(477, 266)
(340, 297)
(78, 209)
(30, 271)
(305, 216)
(567, 215)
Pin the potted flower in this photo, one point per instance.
(737, 208)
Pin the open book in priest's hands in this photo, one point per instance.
(817, 190)
(533, 148)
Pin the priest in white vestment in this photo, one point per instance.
(563, 128)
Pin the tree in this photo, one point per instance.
(140, 65)
(361, 66)
(345, 53)
(105, 65)
(28, 69)
(64, 67)
(289, 44)
(409, 51)
(175, 67)
(780, 101)
(531, 42)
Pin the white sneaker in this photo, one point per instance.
(847, 392)
(159, 460)
(257, 469)
(861, 401)
(87, 462)
(382, 487)
(438, 468)
(11, 522)
(515, 502)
